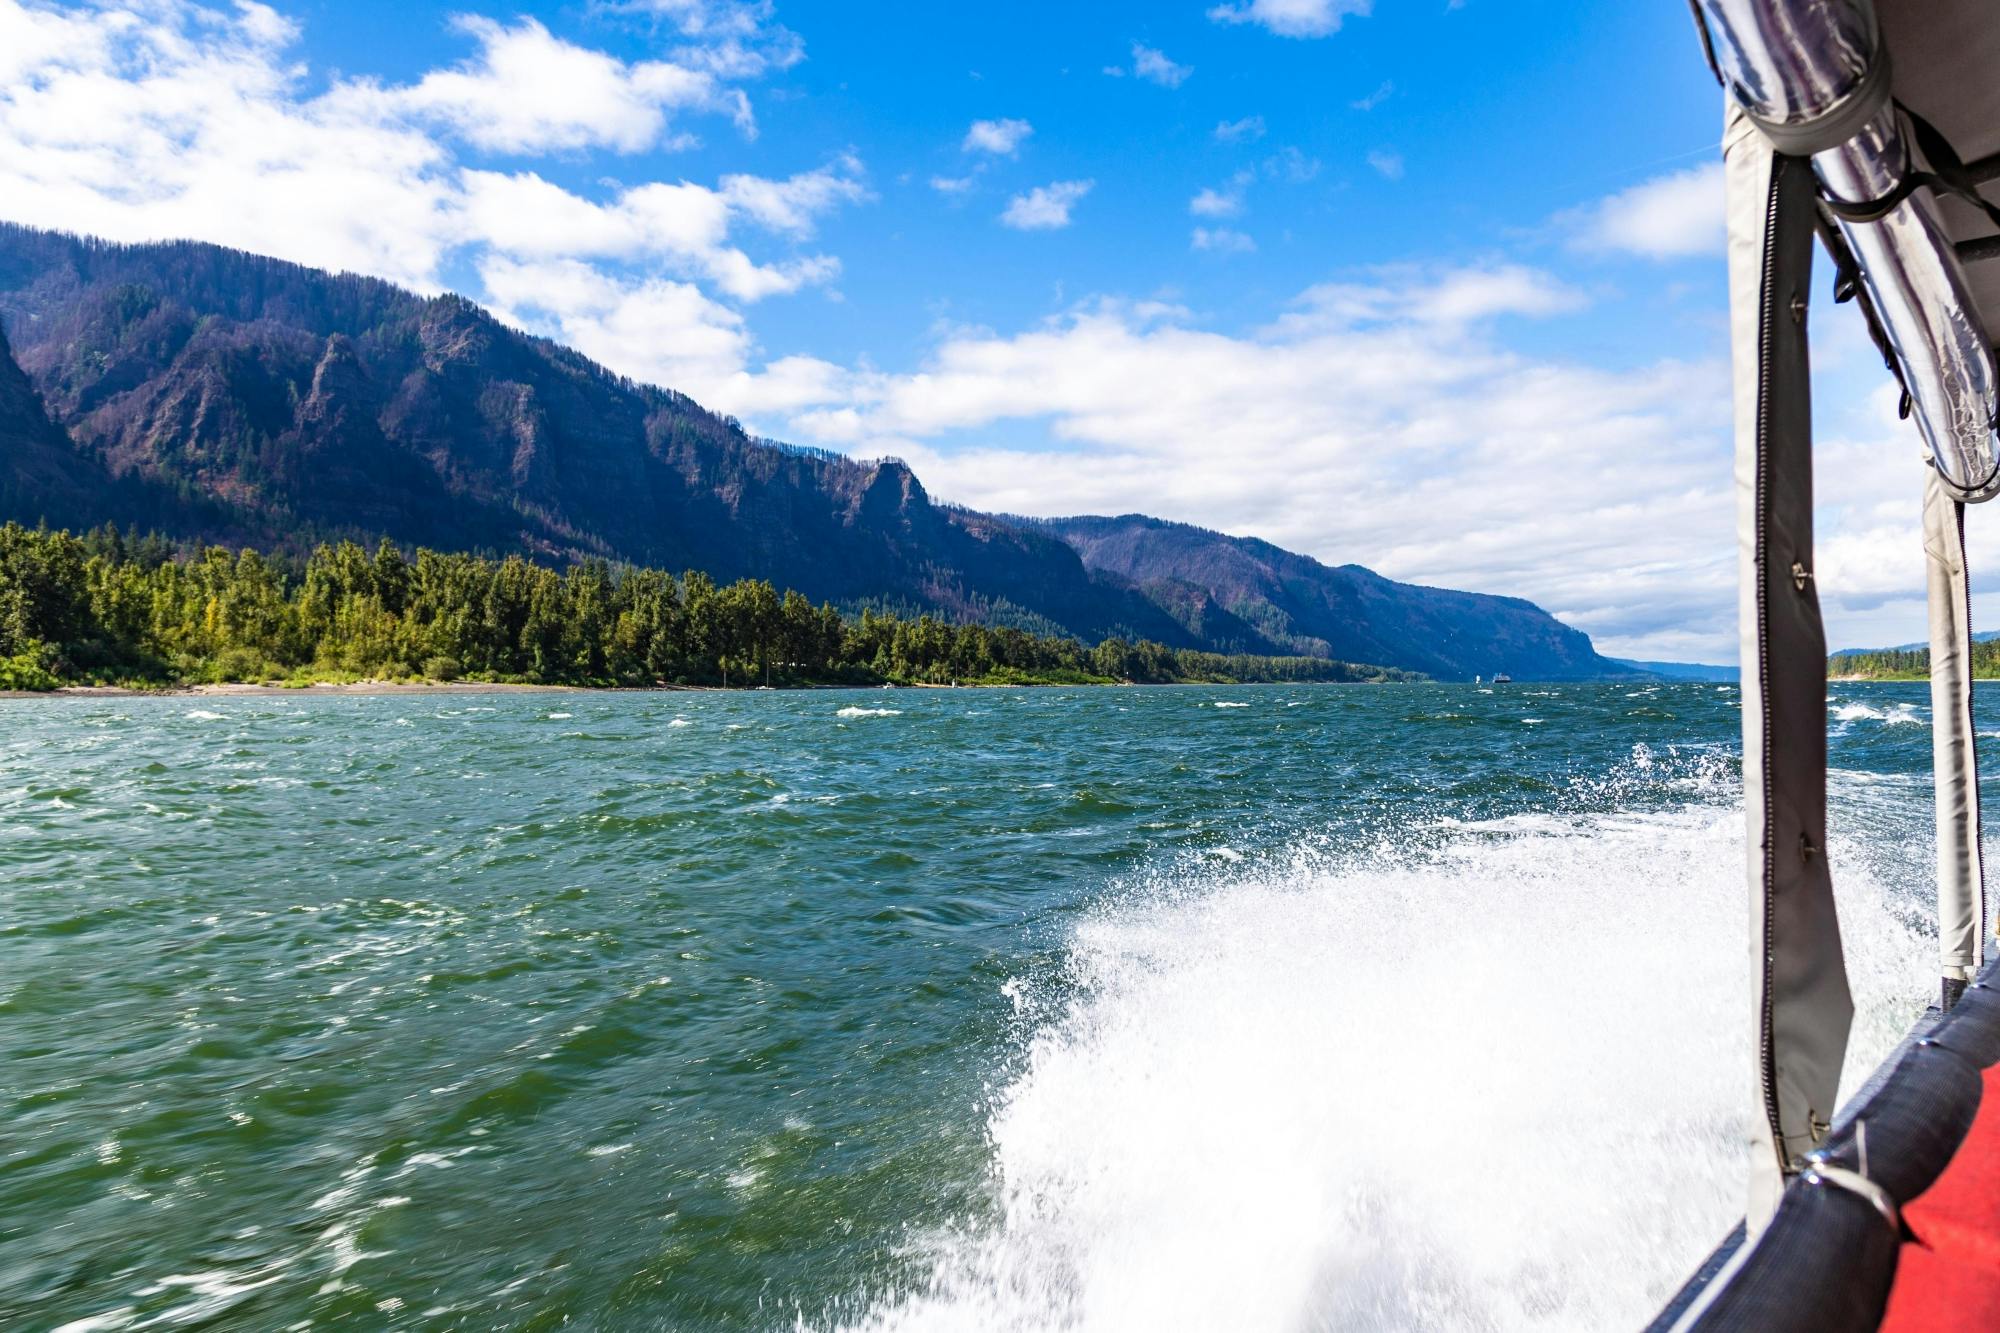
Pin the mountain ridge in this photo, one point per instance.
(221, 396)
(1347, 612)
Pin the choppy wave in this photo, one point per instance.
(1900, 714)
(1396, 1013)
(853, 711)
(1496, 1083)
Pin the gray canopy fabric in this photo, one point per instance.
(1798, 973)
(1868, 92)
(1945, 61)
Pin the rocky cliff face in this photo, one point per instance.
(39, 467)
(1345, 612)
(223, 396)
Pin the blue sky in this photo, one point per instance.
(1429, 285)
(1478, 110)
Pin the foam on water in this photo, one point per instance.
(1496, 1082)
(851, 711)
(1901, 714)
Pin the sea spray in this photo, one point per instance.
(1497, 1081)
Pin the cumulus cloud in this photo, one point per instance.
(1676, 216)
(1444, 298)
(1226, 202)
(735, 39)
(662, 331)
(1152, 64)
(794, 204)
(1293, 18)
(1002, 138)
(1392, 412)
(180, 120)
(528, 91)
(1221, 240)
(1408, 437)
(1046, 207)
(1247, 130)
(683, 226)
(185, 121)
(189, 125)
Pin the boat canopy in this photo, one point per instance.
(1875, 129)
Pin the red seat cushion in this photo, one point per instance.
(1948, 1277)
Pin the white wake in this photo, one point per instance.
(1498, 1083)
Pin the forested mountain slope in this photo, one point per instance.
(215, 395)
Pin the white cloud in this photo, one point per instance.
(1247, 130)
(1409, 438)
(734, 39)
(1669, 217)
(1293, 18)
(1000, 137)
(1387, 163)
(794, 205)
(1210, 203)
(186, 122)
(1452, 298)
(661, 331)
(530, 92)
(684, 226)
(1046, 207)
(178, 120)
(1391, 412)
(1374, 99)
(1226, 202)
(1221, 240)
(1153, 65)
(952, 184)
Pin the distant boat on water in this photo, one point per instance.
(1502, 678)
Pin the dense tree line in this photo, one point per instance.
(1910, 663)
(108, 607)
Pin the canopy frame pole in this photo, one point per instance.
(1802, 1006)
(1961, 870)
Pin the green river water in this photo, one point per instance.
(1232, 1008)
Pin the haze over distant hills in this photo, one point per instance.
(216, 395)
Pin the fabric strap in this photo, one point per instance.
(1802, 1005)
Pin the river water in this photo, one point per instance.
(1261, 1008)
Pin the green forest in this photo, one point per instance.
(1910, 663)
(107, 608)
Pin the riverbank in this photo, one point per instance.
(244, 688)
(390, 687)
(321, 687)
